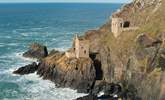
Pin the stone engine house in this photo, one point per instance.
(80, 48)
(118, 25)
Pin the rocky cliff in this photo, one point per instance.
(135, 57)
(68, 72)
(36, 51)
(75, 73)
(131, 65)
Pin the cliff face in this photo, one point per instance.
(135, 57)
(68, 72)
(139, 11)
(36, 51)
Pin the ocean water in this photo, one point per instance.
(50, 24)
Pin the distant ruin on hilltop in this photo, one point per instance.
(118, 25)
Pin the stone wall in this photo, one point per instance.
(70, 54)
(80, 49)
(84, 49)
(116, 27)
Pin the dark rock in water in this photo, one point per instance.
(106, 97)
(31, 68)
(111, 91)
(36, 51)
(88, 97)
(107, 88)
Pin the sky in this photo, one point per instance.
(97, 1)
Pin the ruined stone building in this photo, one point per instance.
(80, 48)
(118, 25)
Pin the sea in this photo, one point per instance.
(50, 24)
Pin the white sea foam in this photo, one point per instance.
(38, 89)
(54, 39)
(12, 44)
(10, 71)
(20, 56)
(6, 37)
(100, 93)
(36, 29)
(1, 44)
(20, 29)
(24, 34)
(15, 60)
(43, 89)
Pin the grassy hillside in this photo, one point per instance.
(153, 24)
(156, 23)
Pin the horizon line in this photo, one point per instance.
(64, 2)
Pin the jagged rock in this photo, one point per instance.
(36, 51)
(138, 63)
(94, 37)
(109, 91)
(97, 63)
(161, 59)
(106, 65)
(140, 59)
(68, 72)
(146, 41)
(31, 68)
(146, 3)
(52, 52)
(107, 88)
(148, 51)
(88, 97)
(162, 87)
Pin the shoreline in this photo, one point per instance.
(118, 60)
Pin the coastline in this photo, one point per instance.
(114, 68)
(36, 27)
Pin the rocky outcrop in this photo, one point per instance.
(94, 37)
(139, 67)
(143, 67)
(52, 52)
(154, 78)
(112, 91)
(68, 72)
(36, 51)
(162, 87)
(146, 3)
(63, 71)
(146, 41)
(129, 66)
(88, 97)
(139, 57)
(31, 68)
(135, 11)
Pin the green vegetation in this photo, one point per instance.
(153, 24)
(156, 24)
